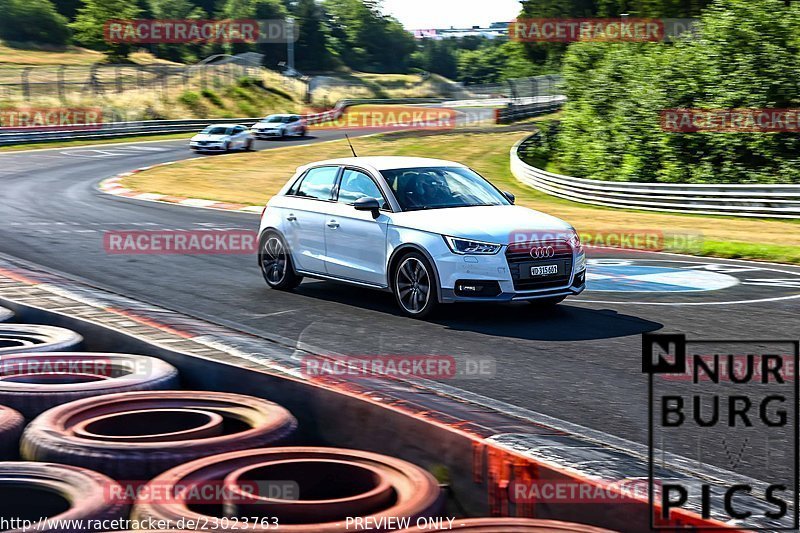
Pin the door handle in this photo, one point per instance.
(333, 224)
(291, 218)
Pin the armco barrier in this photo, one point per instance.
(762, 200)
(532, 107)
(154, 127)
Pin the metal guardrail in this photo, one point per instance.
(154, 127)
(531, 108)
(758, 200)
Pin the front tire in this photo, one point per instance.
(276, 263)
(414, 286)
(248, 147)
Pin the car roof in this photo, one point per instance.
(281, 115)
(387, 162)
(224, 125)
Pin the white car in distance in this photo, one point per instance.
(430, 231)
(280, 126)
(222, 138)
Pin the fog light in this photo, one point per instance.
(477, 288)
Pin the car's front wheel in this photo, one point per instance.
(276, 263)
(414, 286)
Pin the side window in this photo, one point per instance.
(318, 183)
(238, 129)
(357, 185)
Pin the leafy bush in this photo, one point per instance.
(212, 97)
(746, 55)
(192, 100)
(32, 21)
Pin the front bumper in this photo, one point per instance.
(453, 268)
(206, 147)
(266, 134)
(576, 287)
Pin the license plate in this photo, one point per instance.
(544, 270)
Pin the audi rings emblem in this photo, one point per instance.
(542, 252)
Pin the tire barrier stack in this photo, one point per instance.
(19, 338)
(34, 382)
(333, 484)
(11, 425)
(136, 435)
(29, 491)
(109, 436)
(515, 525)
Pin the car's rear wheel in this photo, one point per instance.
(248, 147)
(276, 263)
(414, 286)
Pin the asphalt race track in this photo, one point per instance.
(580, 362)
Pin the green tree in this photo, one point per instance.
(311, 48)
(745, 56)
(365, 39)
(177, 9)
(32, 21)
(89, 25)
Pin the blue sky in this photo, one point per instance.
(428, 14)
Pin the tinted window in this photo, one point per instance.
(318, 183)
(217, 130)
(277, 118)
(357, 185)
(441, 187)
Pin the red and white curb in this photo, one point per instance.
(113, 186)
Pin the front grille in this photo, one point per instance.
(518, 256)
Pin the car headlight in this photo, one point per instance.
(466, 246)
(580, 252)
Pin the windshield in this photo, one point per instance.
(277, 118)
(217, 130)
(441, 187)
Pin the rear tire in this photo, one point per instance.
(415, 287)
(248, 147)
(275, 261)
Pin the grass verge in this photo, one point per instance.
(254, 177)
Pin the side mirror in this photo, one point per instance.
(510, 197)
(368, 204)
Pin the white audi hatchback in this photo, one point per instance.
(429, 231)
